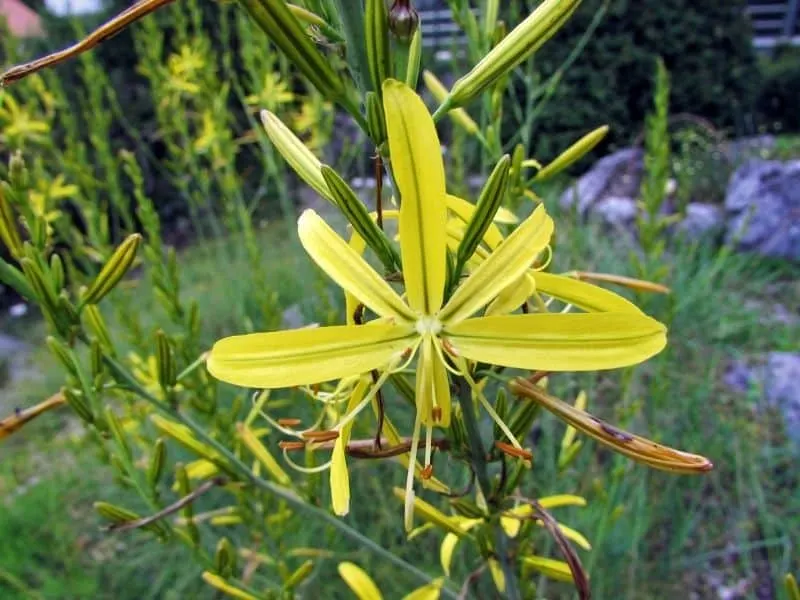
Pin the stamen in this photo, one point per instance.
(448, 347)
(289, 422)
(320, 436)
(436, 413)
(512, 451)
(427, 472)
(291, 445)
(437, 345)
(408, 510)
(428, 442)
(489, 408)
(306, 470)
(390, 369)
(541, 266)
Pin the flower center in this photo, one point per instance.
(429, 326)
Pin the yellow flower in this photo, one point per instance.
(18, 125)
(443, 333)
(364, 587)
(273, 94)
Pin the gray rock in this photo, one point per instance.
(702, 222)
(742, 149)
(618, 174)
(616, 211)
(776, 376)
(293, 317)
(762, 207)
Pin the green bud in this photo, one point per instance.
(77, 402)
(118, 515)
(185, 488)
(403, 19)
(157, 461)
(9, 234)
(96, 325)
(414, 60)
(501, 408)
(57, 271)
(515, 175)
(64, 355)
(522, 419)
(574, 153)
(41, 286)
(286, 32)
(96, 357)
(490, 17)
(568, 455)
(12, 277)
(376, 119)
(114, 270)
(376, 34)
(300, 158)
(301, 574)
(225, 558)
(118, 434)
(358, 216)
(525, 39)
(491, 198)
(165, 359)
(467, 509)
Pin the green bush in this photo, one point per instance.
(706, 46)
(779, 97)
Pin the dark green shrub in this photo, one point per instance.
(779, 97)
(706, 46)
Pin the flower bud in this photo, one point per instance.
(225, 558)
(403, 19)
(574, 153)
(114, 270)
(377, 39)
(165, 359)
(8, 228)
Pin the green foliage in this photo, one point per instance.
(706, 46)
(778, 97)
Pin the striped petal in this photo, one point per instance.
(464, 211)
(339, 475)
(559, 342)
(433, 388)
(513, 296)
(503, 266)
(585, 296)
(305, 356)
(633, 446)
(419, 171)
(346, 267)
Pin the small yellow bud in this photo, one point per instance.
(114, 270)
(574, 153)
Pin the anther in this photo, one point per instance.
(320, 436)
(289, 422)
(449, 348)
(291, 445)
(513, 451)
(427, 472)
(436, 413)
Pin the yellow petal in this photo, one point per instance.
(548, 502)
(633, 446)
(359, 582)
(441, 389)
(305, 356)
(226, 588)
(351, 303)
(513, 296)
(263, 455)
(498, 576)
(339, 475)
(433, 387)
(426, 592)
(346, 267)
(554, 569)
(559, 342)
(503, 266)
(449, 544)
(431, 514)
(416, 159)
(585, 296)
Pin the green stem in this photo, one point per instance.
(285, 494)
(479, 465)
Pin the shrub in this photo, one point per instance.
(706, 46)
(778, 98)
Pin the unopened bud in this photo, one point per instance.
(403, 19)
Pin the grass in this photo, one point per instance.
(654, 535)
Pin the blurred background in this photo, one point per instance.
(166, 112)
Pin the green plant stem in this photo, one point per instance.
(285, 494)
(479, 466)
